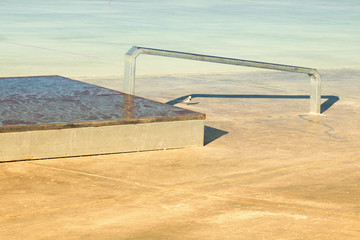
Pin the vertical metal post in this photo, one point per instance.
(129, 71)
(129, 74)
(128, 106)
(315, 94)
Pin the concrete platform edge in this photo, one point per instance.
(100, 140)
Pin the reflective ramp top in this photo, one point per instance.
(55, 102)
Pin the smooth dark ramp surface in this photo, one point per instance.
(27, 103)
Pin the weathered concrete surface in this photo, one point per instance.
(268, 171)
(101, 140)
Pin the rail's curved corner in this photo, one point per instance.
(130, 69)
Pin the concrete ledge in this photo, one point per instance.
(53, 116)
(101, 140)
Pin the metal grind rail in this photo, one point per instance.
(130, 64)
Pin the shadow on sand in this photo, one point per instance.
(331, 100)
(211, 134)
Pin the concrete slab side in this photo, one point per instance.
(101, 140)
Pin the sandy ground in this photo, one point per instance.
(268, 169)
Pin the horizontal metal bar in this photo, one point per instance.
(130, 63)
(223, 60)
